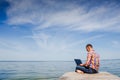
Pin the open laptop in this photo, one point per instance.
(78, 61)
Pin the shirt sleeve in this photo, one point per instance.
(88, 59)
(98, 61)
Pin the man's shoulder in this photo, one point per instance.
(91, 52)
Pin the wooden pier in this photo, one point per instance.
(98, 76)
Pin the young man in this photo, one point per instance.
(92, 63)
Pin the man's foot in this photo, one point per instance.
(79, 71)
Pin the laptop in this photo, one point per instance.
(78, 61)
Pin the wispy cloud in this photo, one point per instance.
(59, 26)
(115, 43)
(13, 46)
(7, 44)
(71, 17)
(18, 50)
(56, 44)
(80, 42)
(49, 43)
(49, 15)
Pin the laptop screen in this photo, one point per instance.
(78, 61)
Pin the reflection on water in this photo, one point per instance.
(50, 70)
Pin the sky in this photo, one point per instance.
(48, 30)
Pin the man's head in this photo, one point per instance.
(89, 47)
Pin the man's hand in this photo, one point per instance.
(81, 64)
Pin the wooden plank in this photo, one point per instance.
(98, 76)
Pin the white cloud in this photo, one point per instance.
(70, 17)
(19, 50)
(51, 14)
(48, 43)
(52, 22)
(14, 46)
(115, 43)
(79, 42)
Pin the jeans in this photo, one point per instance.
(86, 70)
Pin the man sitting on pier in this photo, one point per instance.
(92, 63)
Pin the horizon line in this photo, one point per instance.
(45, 60)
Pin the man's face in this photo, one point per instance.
(88, 48)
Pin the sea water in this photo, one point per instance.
(47, 70)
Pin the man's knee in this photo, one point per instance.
(79, 67)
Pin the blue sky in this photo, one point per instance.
(58, 29)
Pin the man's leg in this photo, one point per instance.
(82, 68)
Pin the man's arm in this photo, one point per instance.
(87, 63)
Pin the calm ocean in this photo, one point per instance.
(47, 70)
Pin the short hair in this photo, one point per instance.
(89, 45)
